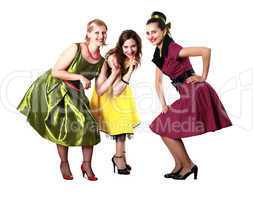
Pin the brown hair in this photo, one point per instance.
(118, 51)
(90, 27)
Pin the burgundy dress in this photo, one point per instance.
(198, 110)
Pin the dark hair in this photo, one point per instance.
(118, 51)
(160, 19)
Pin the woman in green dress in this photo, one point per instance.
(56, 105)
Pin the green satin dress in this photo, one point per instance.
(59, 113)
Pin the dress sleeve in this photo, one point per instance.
(174, 50)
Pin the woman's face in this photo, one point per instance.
(154, 34)
(98, 35)
(130, 48)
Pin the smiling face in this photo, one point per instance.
(154, 34)
(97, 34)
(130, 48)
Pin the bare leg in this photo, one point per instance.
(87, 158)
(63, 153)
(178, 151)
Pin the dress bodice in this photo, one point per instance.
(170, 63)
(81, 66)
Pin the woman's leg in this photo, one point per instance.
(187, 164)
(64, 166)
(87, 158)
(170, 143)
(178, 151)
(124, 151)
(119, 157)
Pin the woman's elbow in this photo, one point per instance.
(116, 92)
(54, 73)
(99, 92)
(206, 51)
(158, 84)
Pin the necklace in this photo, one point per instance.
(96, 55)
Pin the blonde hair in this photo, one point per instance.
(90, 27)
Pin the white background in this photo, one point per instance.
(34, 33)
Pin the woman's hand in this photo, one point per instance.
(194, 79)
(165, 109)
(85, 82)
(114, 65)
(132, 64)
(115, 71)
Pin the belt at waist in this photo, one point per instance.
(75, 85)
(182, 77)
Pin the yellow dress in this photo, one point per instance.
(115, 114)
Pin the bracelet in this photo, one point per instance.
(124, 81)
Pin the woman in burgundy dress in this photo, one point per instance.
(197, 111)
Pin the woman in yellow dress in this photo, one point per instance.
(115, 109)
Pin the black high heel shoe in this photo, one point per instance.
(172, 174)
(194, 171)
(129, 168)
(120, 171)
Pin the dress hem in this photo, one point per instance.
(120, 132)
(190, 135)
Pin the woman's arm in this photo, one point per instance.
(198, 51)
(120, 85)
(159, 89)
(102, 82)
(59, 69)
(65, 59)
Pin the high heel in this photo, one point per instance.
(90, 178)
(120, 171)
(193, 171)
(129, 168)
(65, 176)
(172, 174)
